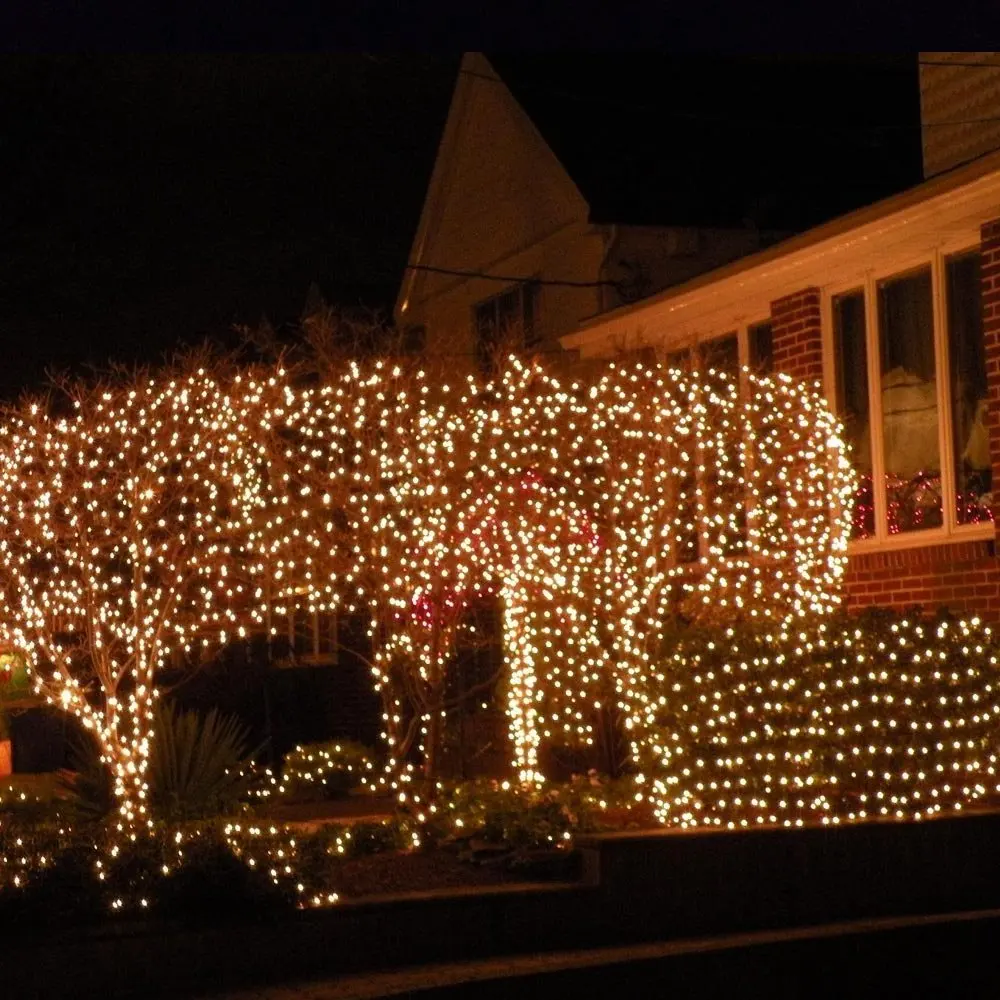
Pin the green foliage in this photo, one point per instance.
(88, 786)
(212, 883)
(53, 876)
(365, 839)
(323, 770)
(63, 890)
(199, 764)
(198, 768)
(30, 799)
(505, 814)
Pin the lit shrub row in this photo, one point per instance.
(838, 719)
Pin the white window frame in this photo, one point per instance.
(695, 341)
(950, 530)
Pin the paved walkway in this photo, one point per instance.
(364, 986)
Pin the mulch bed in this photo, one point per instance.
(418, 871)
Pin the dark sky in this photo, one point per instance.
(147, 200)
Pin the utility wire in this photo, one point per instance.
(460, 273)
(963, 64)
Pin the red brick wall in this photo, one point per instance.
(797, 332)
(962, 576)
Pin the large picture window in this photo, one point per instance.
(916, 430)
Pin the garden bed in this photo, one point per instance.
(416, 871)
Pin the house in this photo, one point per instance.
(894, 311)
(510, 252)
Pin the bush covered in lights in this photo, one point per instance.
(830, 720)
(509, 815)
(321, 770)
(56, 871)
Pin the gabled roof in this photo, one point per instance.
(496, 185)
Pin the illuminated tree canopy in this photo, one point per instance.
(124, 536)
(170, 509)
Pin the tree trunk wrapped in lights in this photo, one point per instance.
(124, 535)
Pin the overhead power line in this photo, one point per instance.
(509, 279)
(962, 64)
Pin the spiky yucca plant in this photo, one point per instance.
(198, 767)
(199, 764)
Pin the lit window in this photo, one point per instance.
(967, 384)
(911, 478)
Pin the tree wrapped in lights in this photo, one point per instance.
(165, 510)
(579, 505)
(125, 534)
(463, 520)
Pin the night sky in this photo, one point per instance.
(151, 200)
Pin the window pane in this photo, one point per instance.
(851, 362)
(761, 339)
(909, 403)
(487, 333)
(970, 437)
(530, 301)
(414, 339)
(722, 354)
(679, 359)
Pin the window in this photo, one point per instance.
(760, 345)
(911, 450)
(851, 363)
(508, 321)
(970, 442)
(722, 354)
(917, 433)
(414, 339)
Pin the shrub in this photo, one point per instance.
(324, 770)
(64, 889)
(211, 882)
(505, 814)
(198, 767)
(199, 764)
(832, 720)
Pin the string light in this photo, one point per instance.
(178, 511)
(838, 721)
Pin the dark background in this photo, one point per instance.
(152, 199)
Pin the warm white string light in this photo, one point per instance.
(161, 513)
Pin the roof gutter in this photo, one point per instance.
(869, 224)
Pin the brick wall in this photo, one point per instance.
(962, 576)
(797, 331)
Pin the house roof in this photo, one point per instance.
(944, 211)
(784, 143)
